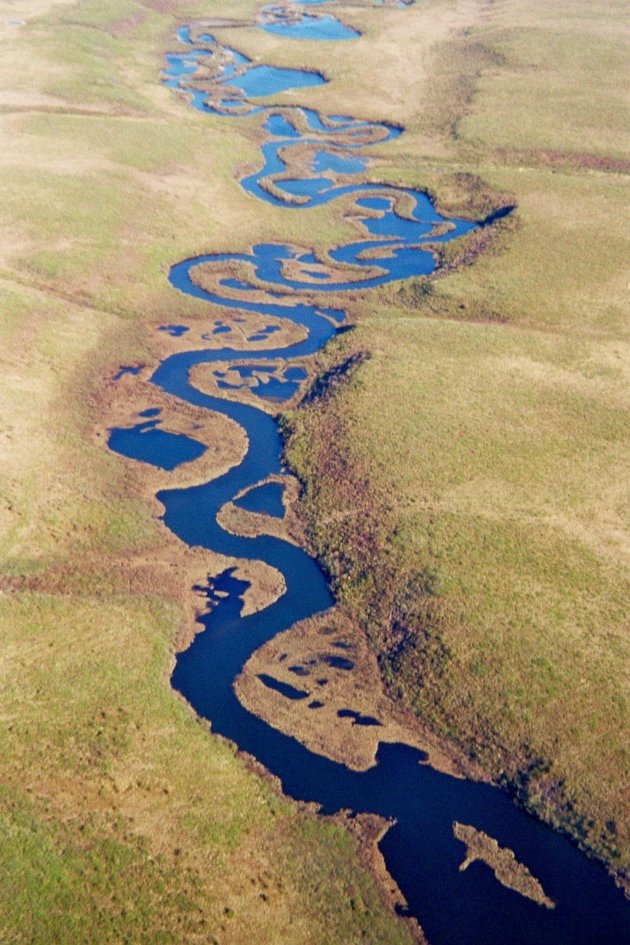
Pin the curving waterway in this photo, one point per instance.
(309, 159)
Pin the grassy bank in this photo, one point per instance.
(467, 488)
(122, 818)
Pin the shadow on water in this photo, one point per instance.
(421, 853)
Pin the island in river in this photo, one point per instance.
(108, 578)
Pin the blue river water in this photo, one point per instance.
(265, 499)
(292, 22)
(398, 228)
(148, 443)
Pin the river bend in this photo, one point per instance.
(308, 159)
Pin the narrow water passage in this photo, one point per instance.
(398, 228)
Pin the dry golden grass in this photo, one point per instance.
(122, 818)
(502, 862)
(476, 504)
(479, 464)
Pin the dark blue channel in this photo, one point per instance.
(147, 443)
(399, 226)
(265, 499)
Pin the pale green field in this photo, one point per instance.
(123, 820)
(481, 456)
(484, 438)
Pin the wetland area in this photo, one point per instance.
(313, 425)
(400, 230)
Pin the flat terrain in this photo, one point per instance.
(472, 511)
(468, 487)
(121, 818)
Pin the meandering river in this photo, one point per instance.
(398, 231)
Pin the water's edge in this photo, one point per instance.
(399, 229)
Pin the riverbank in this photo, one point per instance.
(233, 915)
(472, 511)
(122, 818)
(422, 803)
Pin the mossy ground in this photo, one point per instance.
(467, 487)
(123, 820)
(476, 481)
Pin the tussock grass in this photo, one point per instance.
(476, 480)
(121, 818)
(467, 488)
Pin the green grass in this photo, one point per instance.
(480, 456)
(544, 95)
(121, 818)
(492, 465)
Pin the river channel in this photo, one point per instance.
(398, 232)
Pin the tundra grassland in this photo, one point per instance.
(122, 819)
(467, 488)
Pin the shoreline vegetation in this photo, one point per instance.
(119, 813)
(502, 862)
(466, 488)
(121, 818)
